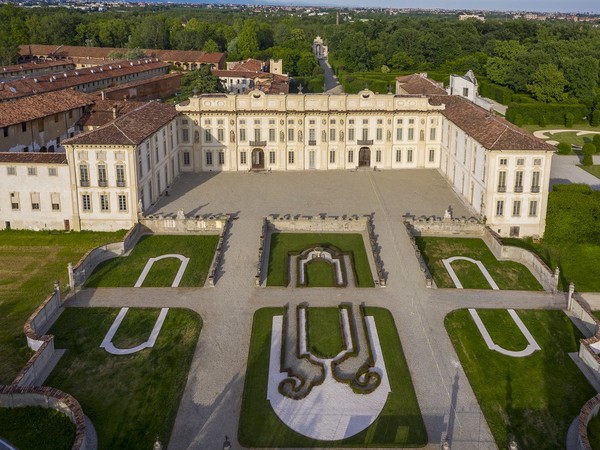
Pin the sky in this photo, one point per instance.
(592, 6)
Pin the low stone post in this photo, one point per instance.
(57, 291)
(555, 280)
(570, 298)
(71, 276)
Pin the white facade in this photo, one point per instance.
(466, 86)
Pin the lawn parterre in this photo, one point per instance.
(33, 428)
(29, 263)
(131, 399)
(535, 398)
(400, 424)
(594, 170)
(506, 274)
(325, 337)
(124, 271)
(283, 244)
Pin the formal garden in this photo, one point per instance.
(125, 271)
(130, 399)
(287, 247)
(506, 274)
(399, 424)
(532, 399)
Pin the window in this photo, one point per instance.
(332, 157)
(500, 207)
(24, 127)
(221, 158)
(86, 202)
(351, 121)
(55, 201)
(351, 134)
(122, 202)
(537, 162)
(365, 134)
(40, 124)
(257, 133)
(398, 156)
(379, 134)
(35, 201)
(312, 140)
(104, 202)
(120, 175)
(311, 122)
(55, 118)
(290, 157)
(5, 131)
(350, 156)
(432, 133)
(186, 158)
(84, 176)
(409, 155)
(271, 157)
(271, 121)
(365, 121)
(411, 134)
(102, 175)
(32, 171)
(11, 170)
(399, 134)
(242, 135)
(52, 171)
(502, 181)
(290, 135)
(185, 135)
(503, 161)
(520, 162)
(271, 134)
(207, 136)
(465, 92)
(243, 160)
(220, 134)
(535, 181)
(14, 200)
(399, 121)
(431, 155)
(533, 208)
(290, 121)
(411, 121)
(519, 181)
(516, 208)
(332, 134)
(209, 159)
(378, 156)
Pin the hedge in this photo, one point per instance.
(498, 93)
(553, 112)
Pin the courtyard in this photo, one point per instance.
(212, 398)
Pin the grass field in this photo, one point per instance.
(29, 264)
(124, 271)
(131, 399)
(399, 425)
(535, 398)
(594, 432)
(284, 243)
(320, 274)
(561, 126)
(594, 170)
(325, 338)
(33, 428)
(506, 274)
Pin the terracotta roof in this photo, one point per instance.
(42, 105)
(33, 158)
(141, 82)
(491, 131)
(131, 129)
(65, 51)
(418, 83)
(234, 73)
(55, 82)
(101, 111)
(6, 70)
(249, 65)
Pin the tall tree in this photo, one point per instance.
(548, 84)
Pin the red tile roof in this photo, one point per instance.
(131, 129)
(42, 105)
(33, 158)
(101, 111)
(6, 70)
(419, 84)
(145, 81)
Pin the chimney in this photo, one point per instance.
(103, 95)
(114, 111)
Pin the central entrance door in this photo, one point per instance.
(258, 159)
(364, 157)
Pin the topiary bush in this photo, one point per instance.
(588, 149)
(518, 120)
(595, 117)
(563, 148)
(596, 142)
(587, 160)
(569, 118)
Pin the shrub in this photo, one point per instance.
(518, 120)
(587, 160)
(569, 118)
(564, 148)
(588, 149)
(499, 93)
(595, 118)
(577, 188)
(596, 142)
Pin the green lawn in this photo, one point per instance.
(282, 244)
(594, 432)
(131, 399)
(29, 264)
(594, 170)
(320, 274)
(506, 274)
(572, 138)
(33, 428)
(577, 262)
(399, 425)
(534, 398)
(561, 126)
(325, 338)
(124, 271)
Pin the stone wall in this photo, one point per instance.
(18, 396)
(179, 223)
(449, 227)
(86, 265)
(588, 412)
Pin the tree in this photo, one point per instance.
(200, 81)
(596, 142)
(247, 42)
(210, 46)
(595, 117)
(152, 32)
(582, 77)
(548, 84)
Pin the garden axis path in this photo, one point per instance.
(211, 402)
